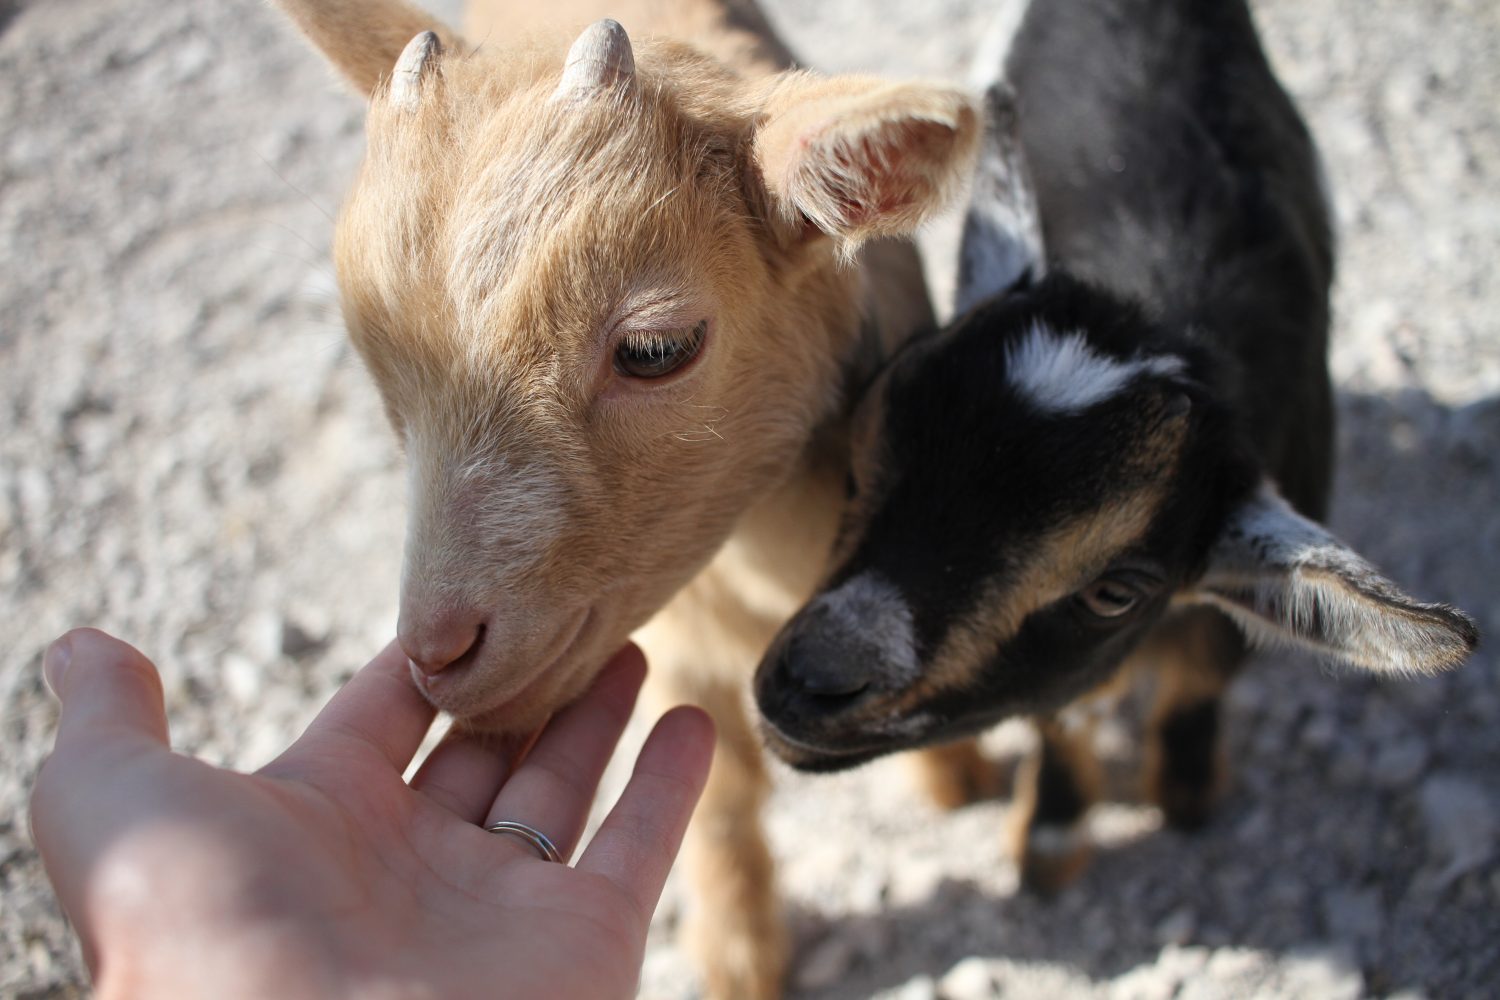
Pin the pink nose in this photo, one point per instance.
(442, 640)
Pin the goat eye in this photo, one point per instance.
(1109, 598)
(654, 353)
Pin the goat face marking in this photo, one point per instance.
(1060, 373)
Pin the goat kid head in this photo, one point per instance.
(602, 297)
(1031, 492)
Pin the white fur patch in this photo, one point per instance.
(1061, 373)
(870, 609)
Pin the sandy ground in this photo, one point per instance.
(190, 457)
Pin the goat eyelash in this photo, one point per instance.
(655, 353)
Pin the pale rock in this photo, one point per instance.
(1144, 982)
(1179, 963)
(921, 987)
(1328, 973)
(1233, 963)
(243, 678)
(917, 878)
(868, 889)
(260, 635)
(39, 958)
(971, 979)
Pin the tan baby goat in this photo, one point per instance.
(613, 300)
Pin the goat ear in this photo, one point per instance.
(363, 38)
(860, 157)
(1002, 238)
(1284, 578)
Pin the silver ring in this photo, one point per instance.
(536, 838)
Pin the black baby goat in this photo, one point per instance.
(1119, 461)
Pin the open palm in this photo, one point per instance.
(326, 873)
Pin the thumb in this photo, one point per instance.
(111, 710)
(108, 690)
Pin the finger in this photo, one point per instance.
(108, 689)
(465, 770)
(112, 718)
(554, 786)
(639, 839)
(379, 710)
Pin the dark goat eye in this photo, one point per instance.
(1109, 598)
(654, 353)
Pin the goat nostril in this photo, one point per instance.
(837, 691)
(822, 672)
(433, 654)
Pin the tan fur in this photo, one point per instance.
(956, 774)
(496, 245)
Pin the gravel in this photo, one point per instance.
(191, 458)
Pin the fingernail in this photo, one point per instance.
(55, 664)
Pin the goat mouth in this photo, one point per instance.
(446, 690)
(821, 753)
(806, 753)
(543, 678)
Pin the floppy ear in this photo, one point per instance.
(1283, 578)
(1002, 239)
(363, 38)
(861, 157)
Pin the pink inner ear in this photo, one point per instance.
(878, 176)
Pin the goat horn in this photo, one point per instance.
(599, 60)
(406, 79)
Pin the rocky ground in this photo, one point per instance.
(191, 458)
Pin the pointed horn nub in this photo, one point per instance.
(417, 58)
(600, 60)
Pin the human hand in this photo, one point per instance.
(325, 873)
